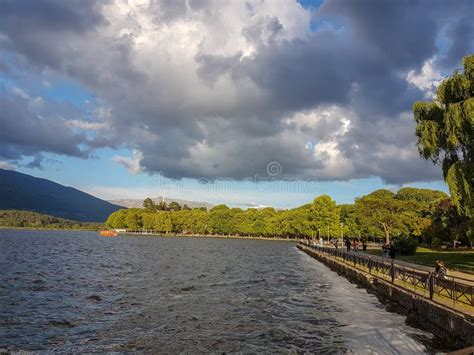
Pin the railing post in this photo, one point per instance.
(472, 298)
(392, 271)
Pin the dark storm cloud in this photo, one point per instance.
(31, 26)
(460, 32)
(25, 133)
(220, 89)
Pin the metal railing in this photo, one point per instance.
(427, 284)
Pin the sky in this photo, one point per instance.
(248, 103)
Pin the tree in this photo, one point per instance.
(349, 220)
(148, 204)
(133, 219)
(325, 215)
(162, 222)
(447, 225)
(174, 206)
(162, 206)
(381, 214)
(117, 219)
(220, 219)
(445, 130)
(425, 196)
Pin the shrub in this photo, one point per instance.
(405, 245)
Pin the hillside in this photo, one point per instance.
(137, 203)
(27, 219)
(24, 192)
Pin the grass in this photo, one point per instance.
(453, 259)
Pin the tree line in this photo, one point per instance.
(28, 219)
(427, 215)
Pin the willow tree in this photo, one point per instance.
(445, 130)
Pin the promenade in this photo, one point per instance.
(461, 276)
(456, 291)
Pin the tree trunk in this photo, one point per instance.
(387, 233)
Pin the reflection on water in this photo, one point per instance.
(74, 291)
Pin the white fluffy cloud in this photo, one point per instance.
(132, 164)
(427, 80)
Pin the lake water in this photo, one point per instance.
(75, 291)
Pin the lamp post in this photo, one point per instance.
(342, 232)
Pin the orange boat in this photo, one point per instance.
(108, 233)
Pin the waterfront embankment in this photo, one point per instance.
(414, 293)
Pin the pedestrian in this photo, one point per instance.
(440, 270)
(364, 245)
(348, 245)
(356, 245)
(384, 250)
(392, 250)
(336, 244)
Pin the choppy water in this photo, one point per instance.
(75, 291)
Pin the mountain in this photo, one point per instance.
(131, 203)
(25, 192)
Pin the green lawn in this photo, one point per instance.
(462, 260)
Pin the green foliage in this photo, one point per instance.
(174, 206)
(381, 214)
(325, 216)
(447, 225)
(149, 204)
(445, 130)
(349, 220)
(420, 195)
(133, 219)
(27, 219)
(427, 215)
(220, 220)
(405, 245)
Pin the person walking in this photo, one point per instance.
(384, 250)
(348, 245)
(364, 245)
(392, 251)
(356, 245)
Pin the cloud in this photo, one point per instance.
(427, 80)
(131, 164)
(26, 132)
(221, 88)
(6, 165)
(86, 125)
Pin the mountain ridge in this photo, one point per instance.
(136, 203)
(19, 191)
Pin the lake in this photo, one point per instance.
(75, 291)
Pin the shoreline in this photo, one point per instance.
(209, 236)
(157, 235)
(49, 229)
